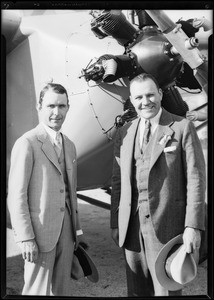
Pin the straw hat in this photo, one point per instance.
(173, 266)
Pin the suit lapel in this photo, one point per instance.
(162, 136)
(69, 155)
(70, 159)
(47, 146)
(128, 146)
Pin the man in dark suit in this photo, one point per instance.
(158, 186)
(42, 198)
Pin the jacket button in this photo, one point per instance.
(61, 191)
(62, 208)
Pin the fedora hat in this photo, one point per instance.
(83, 266)
(173, 266)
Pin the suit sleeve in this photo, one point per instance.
(116, 181)
(194, 165)
(19, 177)
(78, 225)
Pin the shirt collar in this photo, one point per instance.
(52, 133)
(156, 119)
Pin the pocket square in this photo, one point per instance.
(164, 139)
(169, 149)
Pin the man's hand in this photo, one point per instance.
(115, 235)
(30, 250)
(81, 240)
(192, 241)
(192, 115)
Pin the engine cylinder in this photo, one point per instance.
(113, 23)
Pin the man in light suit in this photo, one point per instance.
(42, 198)
(158, 187)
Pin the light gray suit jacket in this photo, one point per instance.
(36, 189)
(176, 183)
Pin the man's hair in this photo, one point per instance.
(55, 87)
(144, 76)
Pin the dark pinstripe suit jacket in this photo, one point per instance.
(176, 183)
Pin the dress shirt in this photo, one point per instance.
(52, 134)
(154, 124)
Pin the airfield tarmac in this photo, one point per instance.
(106, 255)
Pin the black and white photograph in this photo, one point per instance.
(106, 117)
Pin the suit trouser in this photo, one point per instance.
(50, 275)
(140, 266)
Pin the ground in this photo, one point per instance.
(106, 255)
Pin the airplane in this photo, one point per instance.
(94, 54)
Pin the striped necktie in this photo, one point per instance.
(146, 134)
(57, 144)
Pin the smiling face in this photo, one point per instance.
(146, 98)
(53, 109)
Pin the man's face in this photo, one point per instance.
(146, 98)
(53, 110)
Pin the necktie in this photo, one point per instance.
(57, 144)
(146, 134)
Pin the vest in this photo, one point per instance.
(140, 171)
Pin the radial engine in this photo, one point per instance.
(146, 49)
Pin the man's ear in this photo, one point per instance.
(161, 93)
(38, 106)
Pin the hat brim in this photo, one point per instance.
(87, 264)
(162, 277)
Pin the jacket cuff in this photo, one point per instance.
(79, 232)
